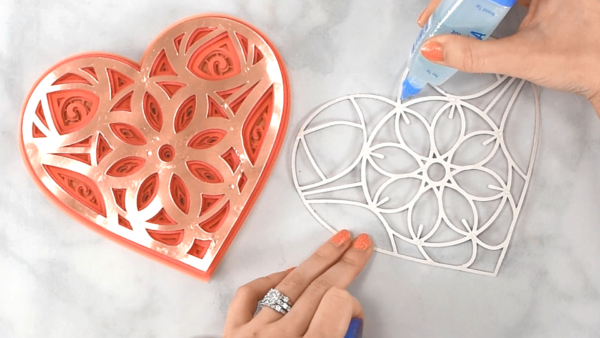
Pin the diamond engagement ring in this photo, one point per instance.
(276, 301)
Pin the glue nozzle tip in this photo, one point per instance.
(409, 90)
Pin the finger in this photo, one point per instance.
(339, 275)
(244, 303)
(334, 314)
(524, 3)
(504, 56)
(433, 4)
(294, 284)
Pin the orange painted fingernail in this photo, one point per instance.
(341, 238)
(433, 51)
(362, 242)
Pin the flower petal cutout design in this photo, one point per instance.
(439, 180)
(166, 156)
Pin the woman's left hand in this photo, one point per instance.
(321, 306)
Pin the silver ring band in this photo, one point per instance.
(277, 301)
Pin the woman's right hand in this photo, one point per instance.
(557, 46)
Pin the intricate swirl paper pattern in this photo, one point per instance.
(474, 213)
(166, 156)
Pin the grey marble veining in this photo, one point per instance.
(59, 279)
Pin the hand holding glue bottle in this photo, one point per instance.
(473, 18)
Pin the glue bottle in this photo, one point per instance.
(472, 18)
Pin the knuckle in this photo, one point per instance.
(350, 262)
(322, 284)
(321, 255)
(468, 59)
(294, 281)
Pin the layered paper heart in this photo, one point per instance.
(166, 156)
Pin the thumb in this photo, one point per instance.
(503, 56)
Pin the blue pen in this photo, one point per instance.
(473, 18)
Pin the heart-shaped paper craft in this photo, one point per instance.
(166, 156)
(440, 180)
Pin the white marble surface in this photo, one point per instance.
(59, 279)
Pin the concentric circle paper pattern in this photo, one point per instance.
(166, 156)
(439, 180)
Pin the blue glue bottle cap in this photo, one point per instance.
(505, 3)
(355, 329)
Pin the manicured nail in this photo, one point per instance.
(355, 329)
(420, 19)
(433, 51)
(341, 238)
(362, 242)
(290, 269)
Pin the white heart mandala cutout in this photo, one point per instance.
(439, 180)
